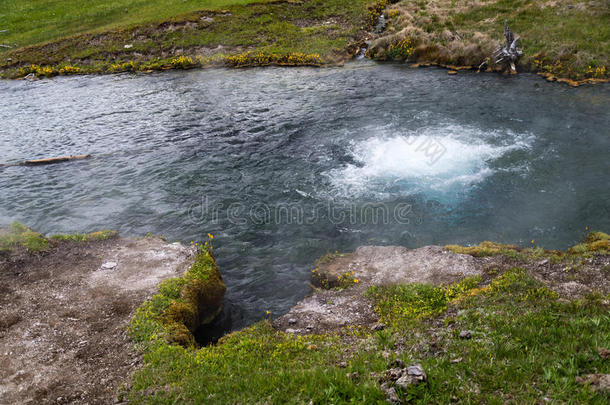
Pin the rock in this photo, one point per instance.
(603, 353)
(390, 394)
(452, 72)
(292, 321)
(598, 382)
(465, 334)
(458, 360)
(414, 375)
(393, 374)
(108, 265)
(377, 327)
(128, 46)
(342, 364)
(292, 330)
(381, 265)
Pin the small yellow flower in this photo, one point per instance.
(268, 312)
(533, 241)
(210, 236)
(356, 281)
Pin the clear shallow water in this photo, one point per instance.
(283, 165)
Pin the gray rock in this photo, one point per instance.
(390, 394)
(377, 327)
(465, 334)
(414, 375)
(292, 321)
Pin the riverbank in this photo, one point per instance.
(434, 324)
(563, 42)
(454, 324)
(286, 33)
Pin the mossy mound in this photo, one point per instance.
(19, 236)
(182, 305)
(483, 249)
(595, 243)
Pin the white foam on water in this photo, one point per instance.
(444, 158)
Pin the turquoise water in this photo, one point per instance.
(283, 165)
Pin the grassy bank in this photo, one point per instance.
(560, 38)
(19, 236)
(524, 344)
(219, 32)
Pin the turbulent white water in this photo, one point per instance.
(442, 158)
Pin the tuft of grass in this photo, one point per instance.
(399, 304)
(595, 243)
(484, 249)
(19, 235)
(80, 237)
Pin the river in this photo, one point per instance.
(283, 165)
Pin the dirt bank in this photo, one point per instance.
(64, 312)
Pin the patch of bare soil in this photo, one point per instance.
(64, 313)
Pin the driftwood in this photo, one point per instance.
(5, 46)
(508, 55)
(49, 161)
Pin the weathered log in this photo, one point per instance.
(507, 55)
(49, 161)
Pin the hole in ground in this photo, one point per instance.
(221, 325)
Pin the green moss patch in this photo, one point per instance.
(19, 235)
(484, 249)
(594, 243)
(80, 237)
(182, 304)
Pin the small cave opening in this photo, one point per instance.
(210, 333)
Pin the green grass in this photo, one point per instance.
(20, 236)
(526, 346)
(289, 32)
(36, 21)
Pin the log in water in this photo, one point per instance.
(49, 161)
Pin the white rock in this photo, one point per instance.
(109, 265)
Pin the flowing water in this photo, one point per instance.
(284, 165)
